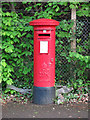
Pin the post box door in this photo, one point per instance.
(44, 59)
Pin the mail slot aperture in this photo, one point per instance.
(43, 34)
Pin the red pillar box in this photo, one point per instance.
(44, 60)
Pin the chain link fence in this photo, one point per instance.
(63, 67)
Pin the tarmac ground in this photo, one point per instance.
(30, 110)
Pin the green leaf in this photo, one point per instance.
(3, 63)
(23, 34)
(78, 40)
(11, 36)
(9, 49)
(50, 4)
(4, 79)
(7, 90)
(16, 40)
(7, 14)
(61, 42)
(0, 79)
(57, 9)
(75, 85)
(80, 81)
(63, 3)
(9, 82)
(63, 54)
(12, 91)
(72, 6)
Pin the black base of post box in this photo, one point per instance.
(43, 95)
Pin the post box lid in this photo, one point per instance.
(44, 21)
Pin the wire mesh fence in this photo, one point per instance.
(63, 67)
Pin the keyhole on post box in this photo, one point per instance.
(44, 31)
(51, 59)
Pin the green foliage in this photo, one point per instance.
(17, 43)
(16, 50)
(84, 11)
(84, 64)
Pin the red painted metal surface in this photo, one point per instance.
(44, 21)
(44, 63)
